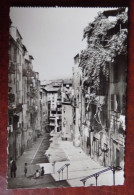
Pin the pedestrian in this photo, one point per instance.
(37, 174)
(42, 171)
(25, 169)
(13, 168)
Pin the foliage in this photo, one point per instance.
(105, 40)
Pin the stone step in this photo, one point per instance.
(81, 165)
(76, 174)
(80, 169)
(103, 179)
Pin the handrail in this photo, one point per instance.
(62, 168)
(96, 175)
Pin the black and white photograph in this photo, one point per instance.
(67, 83)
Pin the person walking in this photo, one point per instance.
(13, 168)
(25, 169)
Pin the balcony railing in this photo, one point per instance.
(53, 109)
(52, 124)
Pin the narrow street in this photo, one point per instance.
(32, 156)
(81, 165)
(74, 112)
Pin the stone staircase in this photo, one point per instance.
(81, 165)
(77, 170)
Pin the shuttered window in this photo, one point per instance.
(115, 103)
(118, 103)
(123, 104)
(112, 102)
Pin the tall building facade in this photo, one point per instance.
(54, 98)
(66, 91)
(23, 97)
(99, 85)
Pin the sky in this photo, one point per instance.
(53, 36)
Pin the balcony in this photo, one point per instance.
(29, 66)
(32, 109)
(24, 73)
(59, 98)
(29, 81)
(100, 99)
(66, 100)
(53, 109)
(59, 123)
(53, 114)
(18, 108)
(25, 125)
(32, 93)
(59, 104)
(12, 68)
(31, 73)
(59, 110)
(11, 98)
(52, 124)
(11, 110)
(60, 117)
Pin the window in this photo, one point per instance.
(40, 95)
(53, 98)
(20, 59)
(116, 72)
(10, 120)
(123, 104)
(64, 109)
(115, 103)
(118, 103)
(15, 55)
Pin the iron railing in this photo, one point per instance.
(96, 175)
(62, 169)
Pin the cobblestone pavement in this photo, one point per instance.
(36, 154)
